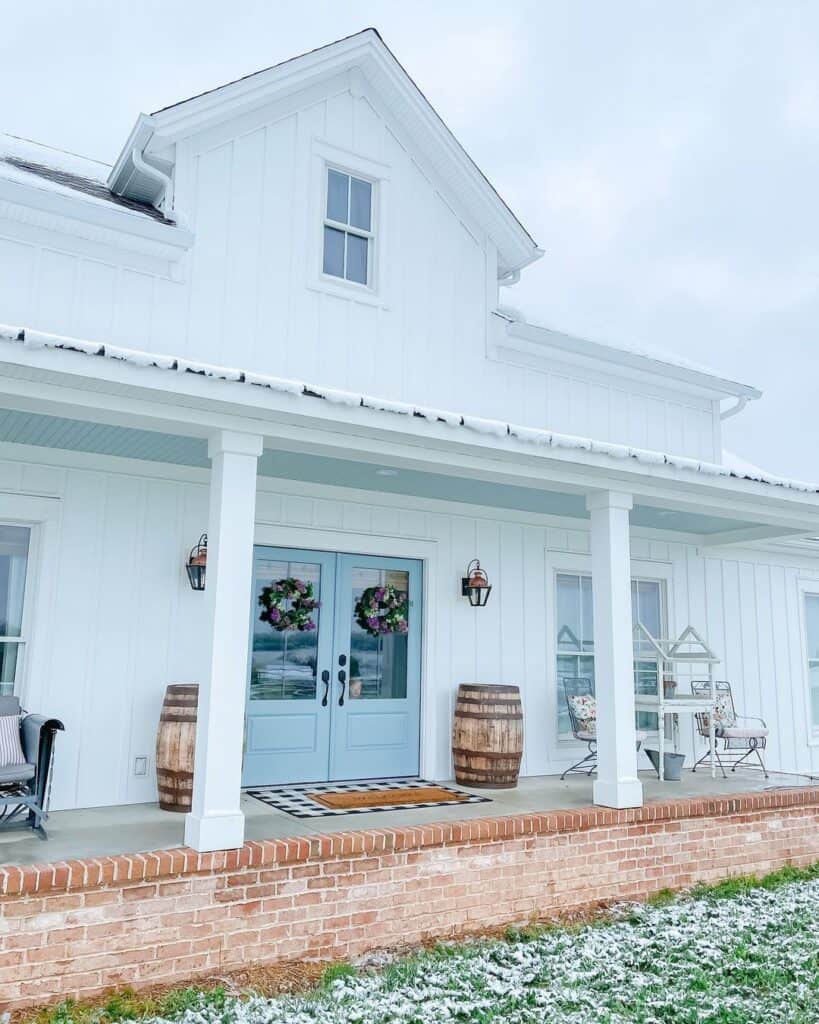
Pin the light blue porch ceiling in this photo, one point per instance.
(151, 446)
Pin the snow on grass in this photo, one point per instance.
(734, 956)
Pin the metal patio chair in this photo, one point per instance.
(25, 788)
(581, 704)
(739, 742)
(579, 693)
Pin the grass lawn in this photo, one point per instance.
(743, 952)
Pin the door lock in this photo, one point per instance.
(325, 678)
(342, 678)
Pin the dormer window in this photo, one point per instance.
(348, 228)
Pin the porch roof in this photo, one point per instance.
(162, 408)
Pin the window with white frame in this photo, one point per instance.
(14, 551)
(348, 228)
(575, 637)
(812, 642)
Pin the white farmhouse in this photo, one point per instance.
(279, 319)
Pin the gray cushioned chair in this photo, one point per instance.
(24, 788)
(739, 742)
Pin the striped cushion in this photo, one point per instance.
(11, 751)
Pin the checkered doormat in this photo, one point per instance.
(295, 800)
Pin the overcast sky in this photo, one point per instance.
(664, 154)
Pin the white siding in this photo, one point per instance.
(123, 622)
(249, 294)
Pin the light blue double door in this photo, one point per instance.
(338, 698)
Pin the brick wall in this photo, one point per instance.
(77, 928)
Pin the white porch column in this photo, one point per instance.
(216, 821)
(617, 784)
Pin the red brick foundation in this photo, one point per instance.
(77, 928)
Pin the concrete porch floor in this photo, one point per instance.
(139, 828)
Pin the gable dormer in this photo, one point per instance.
(144, 170)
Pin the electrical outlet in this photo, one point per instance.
(141, 764)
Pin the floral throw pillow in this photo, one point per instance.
(584, 708)
(724, 716)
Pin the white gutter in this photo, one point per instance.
(165, 180)
(739, 405)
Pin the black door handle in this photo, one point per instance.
(342, 660)
(325, 678)
(342, 678)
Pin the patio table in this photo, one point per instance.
(685, 703)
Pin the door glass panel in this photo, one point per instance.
(379, 634)
(284, 655)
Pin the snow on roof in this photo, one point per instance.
(604, 348)
(57, 171)
(741, 466)
(33, 339)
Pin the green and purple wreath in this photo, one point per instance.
(383, 610)
(298, 616)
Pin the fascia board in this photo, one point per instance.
(190, 116)
(137, 139)
(197, 404)
(581, 350)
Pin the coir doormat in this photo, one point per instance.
(330, 799)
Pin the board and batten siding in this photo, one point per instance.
(249, 295)
(117, 620)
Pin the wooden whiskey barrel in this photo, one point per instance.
(487, 736)
(175, 746)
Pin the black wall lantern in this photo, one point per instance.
(198, 563)
(475, 585)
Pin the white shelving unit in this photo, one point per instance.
(690, 651)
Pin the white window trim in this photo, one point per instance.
(579, 564)
(806, 586)
(326, 157)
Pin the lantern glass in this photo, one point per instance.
(479, 595)
(196, 575)
(475, 585)
(197, 563)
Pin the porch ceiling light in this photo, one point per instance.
(475, 585)
(198, 563)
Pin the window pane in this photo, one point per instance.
(283, 663)
(647, 607)
(9, 654)
(357, 258)
(812, 625)
(812, 631)
(575, 639)
(569, 626)
(645, 682)
(588, 612)
(360, 203)
(334, 252)
(337, 192)
(13, 560)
